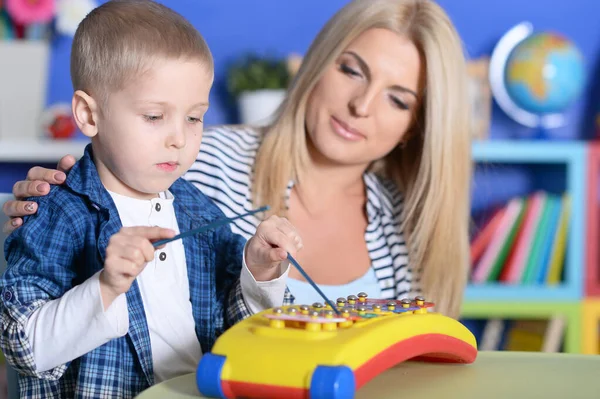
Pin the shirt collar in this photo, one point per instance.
(83, 179)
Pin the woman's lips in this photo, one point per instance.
(344, 130)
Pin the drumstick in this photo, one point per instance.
(207, 227)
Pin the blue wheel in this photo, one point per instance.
(332, 382)
(208, 376)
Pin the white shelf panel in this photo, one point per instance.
(31, 150)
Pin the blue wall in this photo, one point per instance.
(232, 27)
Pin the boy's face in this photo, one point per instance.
(150, 132)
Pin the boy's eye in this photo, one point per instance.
(191, 119)
(152, 118)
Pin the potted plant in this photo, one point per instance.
(258, 84)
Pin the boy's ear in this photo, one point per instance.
(85, 112)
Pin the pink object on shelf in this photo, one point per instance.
(27, 12)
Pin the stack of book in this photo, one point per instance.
(522, 242)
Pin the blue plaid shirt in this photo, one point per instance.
(64, 244)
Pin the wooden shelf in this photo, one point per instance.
(592, 277)
(519, 309)
(519, 292)
(527, 151)
(591, 325)
(31, 150)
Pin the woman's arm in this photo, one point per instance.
(36, 184)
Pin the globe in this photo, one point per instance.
(544, 73)
(536, 77)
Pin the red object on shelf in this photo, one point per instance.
(57, 122)
(592, 253)
(62, 127)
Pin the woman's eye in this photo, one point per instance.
(399, 103)
(349, 71)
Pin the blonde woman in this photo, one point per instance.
(368, 157)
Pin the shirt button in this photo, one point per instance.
(157, 207)
(7, 295)
(162, 256)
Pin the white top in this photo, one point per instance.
(305, 294)
(164, 288)
(68, 327)
(224, 172)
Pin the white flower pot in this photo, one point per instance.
(23, 82)
(258, 107)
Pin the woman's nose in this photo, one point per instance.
(360, 105)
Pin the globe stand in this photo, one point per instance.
(540, 133)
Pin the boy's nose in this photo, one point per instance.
(177, 137)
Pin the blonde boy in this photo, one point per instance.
(89, 308)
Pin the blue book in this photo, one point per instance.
(548, 241)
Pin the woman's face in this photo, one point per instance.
(366, 100)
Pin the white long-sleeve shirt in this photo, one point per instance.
(76, 323)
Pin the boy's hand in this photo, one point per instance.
(274, 239)
(127, 253)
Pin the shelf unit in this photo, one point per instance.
(590, 326)
(573, 155)
(511, 302)
(592, 261)
(39, 150)
(533, 310)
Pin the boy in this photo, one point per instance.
(89, 308)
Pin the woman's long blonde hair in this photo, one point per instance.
(433, 169)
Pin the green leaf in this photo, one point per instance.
(252, 73)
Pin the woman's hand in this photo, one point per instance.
(37, 184)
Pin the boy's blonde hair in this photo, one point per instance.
(433, 170)
(118, 41)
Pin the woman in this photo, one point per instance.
(369, 157)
